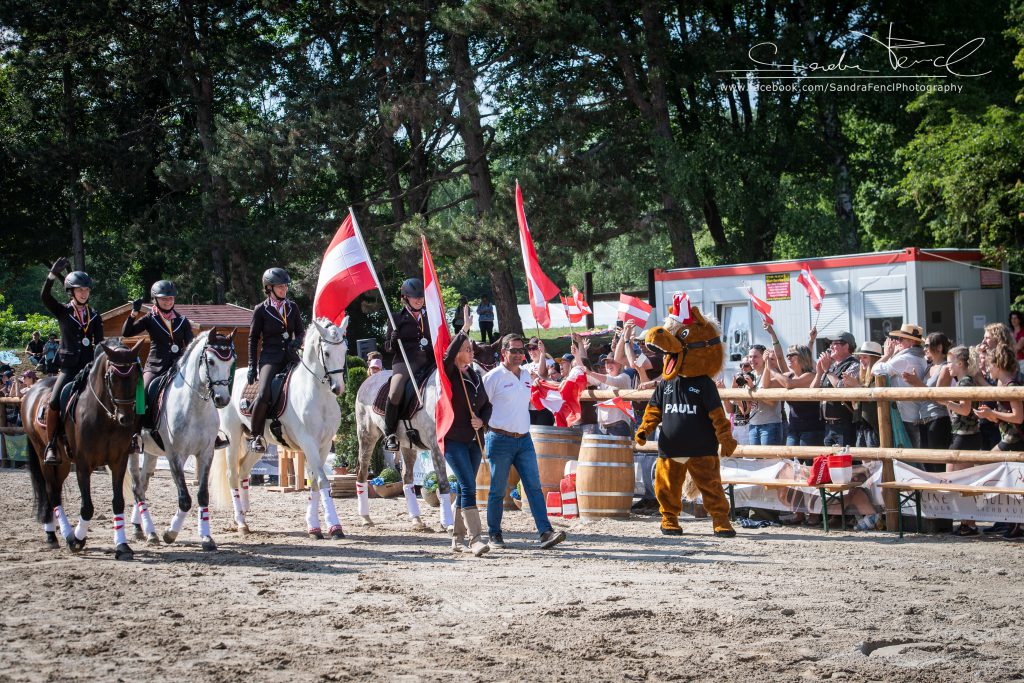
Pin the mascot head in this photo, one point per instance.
(692, 347)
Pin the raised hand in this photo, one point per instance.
(59, 266)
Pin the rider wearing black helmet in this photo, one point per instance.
(81, 328)
(412, 332)
(277, 322)
(169, 331)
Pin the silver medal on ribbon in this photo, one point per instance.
(424, 342)
(85, 341)
(174, 348)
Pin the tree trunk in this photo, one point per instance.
(479, 173)
(70, 144)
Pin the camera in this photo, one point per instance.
(741, 381)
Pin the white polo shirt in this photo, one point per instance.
(510, 399)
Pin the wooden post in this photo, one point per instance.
(588, 295)
(3, 438)
(890, 497)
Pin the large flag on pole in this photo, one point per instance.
(441, 338)
(632, 308)
(572, 309)
(763, 307)
(539, 287)
(346, 272)
(814, 289)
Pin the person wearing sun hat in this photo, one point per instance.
(865, 413)
(903, 356)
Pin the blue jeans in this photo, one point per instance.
(840, 433)
(765, 435)
(464, 460)
(804, 437)
(504, 452)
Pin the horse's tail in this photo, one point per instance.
(220, 491)
(40, 496)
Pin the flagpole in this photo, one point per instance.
(384, 298)
(465, 392)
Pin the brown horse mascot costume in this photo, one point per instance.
(693, 423)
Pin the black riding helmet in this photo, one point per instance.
(412, 288)
(163, 288)
(77, 278)
(275, 276)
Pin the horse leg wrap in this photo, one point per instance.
(50, 527)
(236, 503)
(82, 530)
(178, 520)
(119, 536)
(204, 522)
(136, 517)
(446, 509)
(410, 500)
(330, 514)
(147, 522)
(313, 510)
(245, 495)
(362, 499)
(62, 519)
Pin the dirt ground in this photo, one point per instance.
(617, 601)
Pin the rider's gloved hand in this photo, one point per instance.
(59, 265)
(136, 305)
(252, 374)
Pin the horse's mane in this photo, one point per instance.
(179, 365)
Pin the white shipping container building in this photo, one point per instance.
(942, 290)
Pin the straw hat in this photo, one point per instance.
(912, 332)
(869, 348)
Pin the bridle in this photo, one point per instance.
(323, 360)
(123, 370)
(223, 352)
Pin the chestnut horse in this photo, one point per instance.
(97, 433)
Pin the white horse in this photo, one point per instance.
(187, 426)
(370, 429)
(309, 423)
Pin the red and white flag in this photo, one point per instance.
(346, 272)
(680, 307)
(581, 301)
(539, 287)
(632, 308)
(433, 304)
(763, 307)
(813, 287)
(614, 403)
(563, 400)
(572, 309)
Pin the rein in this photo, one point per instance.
(223, 352)
(109, 389)
(323, 361)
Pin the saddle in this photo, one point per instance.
(155, 399)
(69, 394)
(409, 405)
(278, 395)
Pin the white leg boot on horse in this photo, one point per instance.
(62, 519)
(245, 495)
(413, 505)
(313, 516)
(363, 503)
(171, 535)
(81, 531)
(334, 529)
(204, 529)
(447, 518)
(458, 532)
(236, 503)
(145, 523)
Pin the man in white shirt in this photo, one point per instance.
(509, 444)
(904, 355)
(612, 421)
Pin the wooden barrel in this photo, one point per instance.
(483, 485)
(604, 477)
(555, 446)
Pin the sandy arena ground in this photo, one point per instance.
(617, 601)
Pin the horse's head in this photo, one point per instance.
(486, 355)
(331, 352)
(692, 347)
(121, 371)
(219, 358)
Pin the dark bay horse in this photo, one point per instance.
(97, 433)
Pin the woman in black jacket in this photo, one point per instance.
(170, 333)
(462, 449)
(410, 333)
(81, 328)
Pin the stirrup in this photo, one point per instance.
(51, 457)
(391, 443)
(257, 444)
(220, 442)
(136, 445)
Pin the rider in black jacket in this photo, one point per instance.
(170, 333)
(275, 321)
(412, 333)
(81, 328)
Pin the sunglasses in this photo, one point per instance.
(518, 350)
(532, 347)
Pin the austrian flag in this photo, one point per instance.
(632, 308)
(346, 272)
(763, 307)
(444, 414)
(814, 289)
(540, 288)
(572, 309)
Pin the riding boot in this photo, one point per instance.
(220, 442)
(390, 426)
(53, 431)
(458, 532)
(477, 544)
(259, 420)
